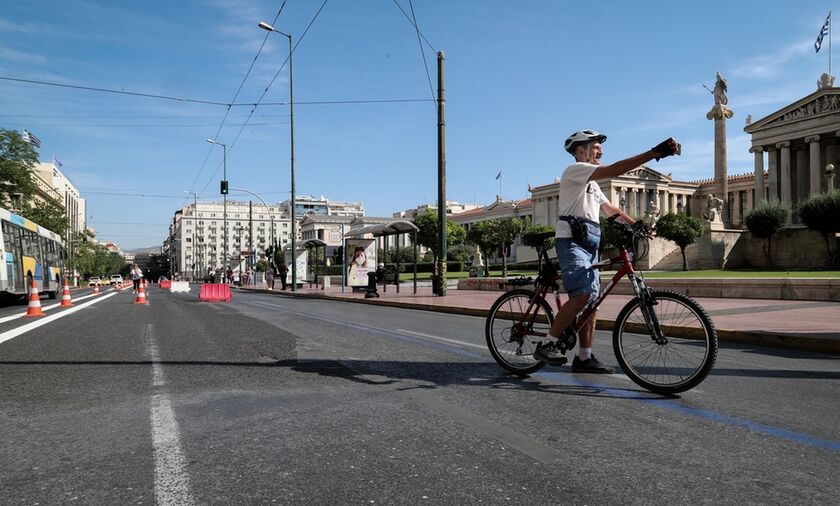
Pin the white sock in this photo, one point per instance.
(584, 354)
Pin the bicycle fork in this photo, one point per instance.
(647, 301)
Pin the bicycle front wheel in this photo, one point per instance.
(515, 327)
(666, 346)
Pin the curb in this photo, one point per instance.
(759, 338)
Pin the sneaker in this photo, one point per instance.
(548, 353)
(591, 366)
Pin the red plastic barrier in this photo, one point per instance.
(215, 292)
(165, 284)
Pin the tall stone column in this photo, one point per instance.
(784, 176)
(720, 113)
(759, 175)
(773, 174)
(663, 202)
(814, 164)
(632, 203)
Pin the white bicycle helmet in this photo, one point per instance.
(582, 137)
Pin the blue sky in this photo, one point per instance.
(520, 77)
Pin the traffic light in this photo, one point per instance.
(224, 187)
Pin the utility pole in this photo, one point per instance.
(441, 115)
(251, 238)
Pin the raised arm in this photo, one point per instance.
(665, 148)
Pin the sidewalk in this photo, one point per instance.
(796, 325)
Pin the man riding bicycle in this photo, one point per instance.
(578, 234)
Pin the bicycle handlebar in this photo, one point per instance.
(638, 230)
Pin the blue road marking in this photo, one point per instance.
(568, 379)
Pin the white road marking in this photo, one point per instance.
(172, 483)
(442, 339)
(10, 334)
(43, 308)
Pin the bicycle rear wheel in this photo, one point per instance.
(677, 357)
(513, 331)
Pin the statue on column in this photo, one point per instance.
(720, 90)
(720, 110)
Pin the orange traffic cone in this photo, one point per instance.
(34, 308)
(66, 301)
(96, 289)
(141, 295)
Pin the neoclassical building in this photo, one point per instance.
(635, 193)
(799, 143)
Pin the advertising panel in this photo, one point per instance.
(360, 258)
(302, 271)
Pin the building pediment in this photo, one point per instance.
(823, 102)
(645, 173)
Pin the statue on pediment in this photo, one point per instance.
(826, 81)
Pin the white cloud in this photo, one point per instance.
(769, 66)
(8, 26)
(20, 56)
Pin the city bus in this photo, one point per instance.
(29, 252)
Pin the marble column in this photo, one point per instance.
(784, 173)
(720, 113)
(773, 174)
(632, 203)
(758, 151)
(663, 202)
(815, 164)
(671, 203)
(687, 204)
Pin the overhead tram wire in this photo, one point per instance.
(116, 92)
(224, 119)
(414, 23)
(422, 51)
(265, 91)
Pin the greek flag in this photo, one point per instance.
(57, 163)
(31, 139)
(823, 33)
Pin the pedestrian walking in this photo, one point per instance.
(269, 277)
(284, 271)
(136, 275)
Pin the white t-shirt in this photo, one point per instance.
(578, 197)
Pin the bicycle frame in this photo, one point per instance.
(546, 283)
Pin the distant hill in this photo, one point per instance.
(138, 251)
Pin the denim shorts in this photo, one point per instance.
(576, 263)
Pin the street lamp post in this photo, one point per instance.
(266, 26)
(224, 191)
(194, 244)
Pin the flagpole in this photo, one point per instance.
(829, 43)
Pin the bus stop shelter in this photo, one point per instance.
(314, 244)
(381, 232)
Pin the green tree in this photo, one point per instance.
(822, 213)
(427, 233)
(506, 230)
(481, 234)
(49, 215)
(681, 229)
(17, 163)
(765, 221)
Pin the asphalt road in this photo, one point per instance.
(276, 400)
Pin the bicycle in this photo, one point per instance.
(664, 341)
